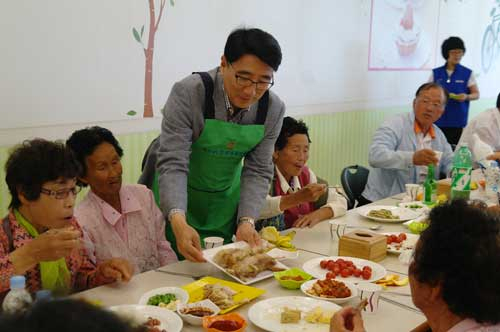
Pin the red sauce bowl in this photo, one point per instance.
(225, 323)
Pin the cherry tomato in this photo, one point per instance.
(344, 273)
(330, 265)
(366, 267)
(366, 274)
(357, 273)
(323, 264)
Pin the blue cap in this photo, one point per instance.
(44, 294)
(17, 282)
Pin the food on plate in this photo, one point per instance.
(271, 235)
(222, 296)
(167, 300)
(137, 320)
(418, 227)
(392, 280)
(197, 311)
(329, 288)
(290, 316)
(318, 315)
(345, 268)
(295, 278)
(414, 206)
(393, 238)
(382, 214)
(245, 263)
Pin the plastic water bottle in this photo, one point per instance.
(461, 173)
(18, 299)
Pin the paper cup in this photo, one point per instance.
(438, 155)
(412, 190)
(338, 229)
(213, 242)
(371, 293)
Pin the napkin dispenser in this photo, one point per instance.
(363, 244)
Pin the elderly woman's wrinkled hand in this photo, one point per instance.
(115, 269)
(54, 244)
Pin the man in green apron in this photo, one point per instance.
(218, 133)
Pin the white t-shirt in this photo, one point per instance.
(487, 126)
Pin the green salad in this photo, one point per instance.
(161, 298)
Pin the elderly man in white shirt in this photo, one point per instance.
(487, 127)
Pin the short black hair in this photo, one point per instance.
(256, 42)
(452, 43)
(66, 315)
(498, 101)
(35, 162)
(460, 250)
(289, 128)
(433, 85)
(83, 142)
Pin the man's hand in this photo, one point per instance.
(246, 232)
(424, 157)
(311, 193)
(347, 319)
(494, 156)
(115, 269)
(187, 239)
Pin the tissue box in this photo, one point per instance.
(363, 244)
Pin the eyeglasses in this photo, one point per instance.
(246, 82)
(61, 194)
(431, 104)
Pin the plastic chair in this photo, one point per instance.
(353, 179)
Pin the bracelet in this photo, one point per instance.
(247, 220)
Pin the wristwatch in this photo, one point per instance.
(246, 220)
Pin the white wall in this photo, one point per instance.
(66, 63)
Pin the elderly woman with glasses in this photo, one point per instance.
(40, 237)
(121, 220)
(454, 274)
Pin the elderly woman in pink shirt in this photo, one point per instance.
(119, 220)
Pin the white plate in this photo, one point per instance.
(409, 243)
(308, 285)
(403, 213)
(210, 253)
(266, 313)
(312, 267)
(170, 321)
(179, 293)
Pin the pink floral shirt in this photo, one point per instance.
(470, 325)
(137, 234)
(83, 270)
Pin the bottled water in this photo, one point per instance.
(17, 299)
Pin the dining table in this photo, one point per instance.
(396, 312)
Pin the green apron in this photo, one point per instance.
(214, 177)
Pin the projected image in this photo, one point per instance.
(403, 34)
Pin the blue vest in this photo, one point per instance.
(456, 113)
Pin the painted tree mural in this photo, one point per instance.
(154, 22)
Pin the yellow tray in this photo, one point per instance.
(244, 293)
